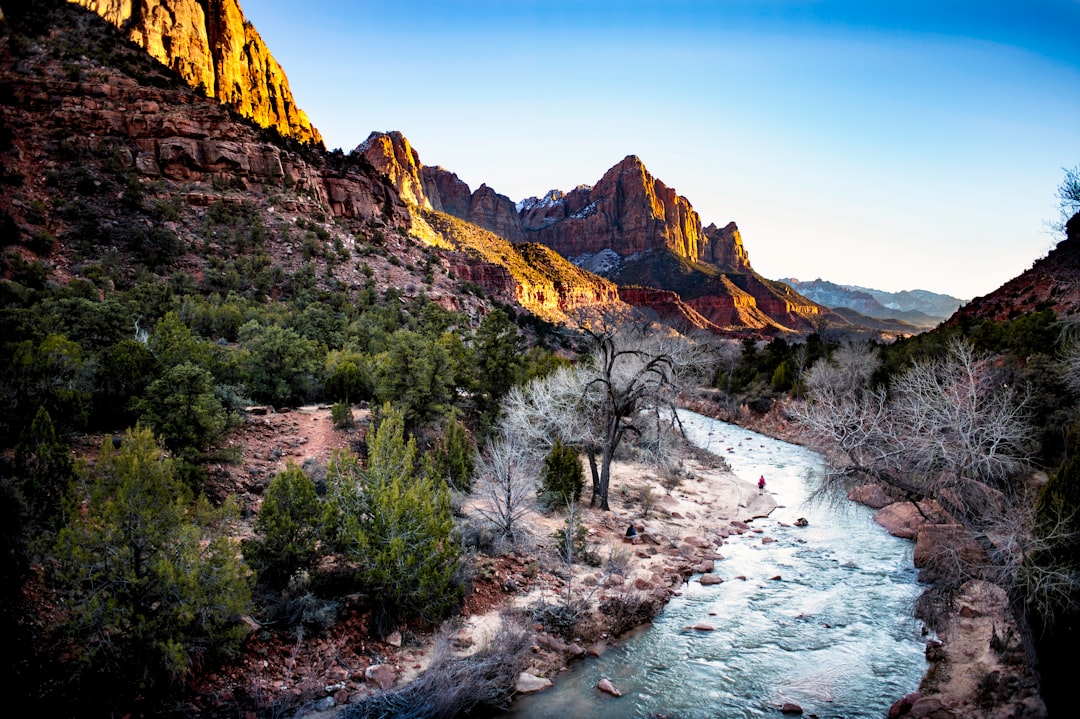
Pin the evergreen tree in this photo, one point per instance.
(396, 524)
(289, 522)
(452, 456)
(499, 356)
(561, 479)
(153, 582)
(182, 408)
(43, 470)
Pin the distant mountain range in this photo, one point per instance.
(920, 308)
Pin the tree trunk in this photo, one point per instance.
(591, 452)
(605, 479)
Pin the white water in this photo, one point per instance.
(834, 634)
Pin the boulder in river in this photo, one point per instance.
(607, 687)
(530, 683)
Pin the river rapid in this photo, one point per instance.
(834, 633)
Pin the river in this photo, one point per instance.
(834, 634)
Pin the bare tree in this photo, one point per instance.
(727, 355)
(948, 430)
(505, 483)
(1068, 195)
(630, 377)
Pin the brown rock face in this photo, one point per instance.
(214, 48)
(495, 212)
(1052, 283)
(667, 305)
(725, 248)
(392, 154)
(628, 211)
(446, 191)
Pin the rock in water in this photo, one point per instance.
(530, 683)
(605, 685)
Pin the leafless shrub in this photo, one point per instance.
(454, 684)
(628, 610)
(671, 477)
(617, 561)
(505, 484)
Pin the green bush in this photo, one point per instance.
(396, 524)
(452, 456)
(183, 408)
(289, 527)
(341, 414)
(561, 478)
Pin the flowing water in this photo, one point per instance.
(834, 634)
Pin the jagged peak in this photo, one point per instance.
(552, 198)
(394, 139)
(629, 164)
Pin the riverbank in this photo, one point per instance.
(681, 522)
(977, 664)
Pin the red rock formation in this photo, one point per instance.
(495, 212)
(725, 248)
(392, 154)
(628, 211)
(668, 306)
(446, 191)
(213, 48)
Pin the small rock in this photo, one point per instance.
(383, 675)
(394, 639)
(699, 542)
(777, 578)
(530, 683)
(709, 578)
(767, 540)
(704, 627)
(902, 706)
(605, 685)
(790, 708)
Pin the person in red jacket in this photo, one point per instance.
(761, 484)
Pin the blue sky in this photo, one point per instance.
(895, 145)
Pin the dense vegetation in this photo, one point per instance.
(174, 365)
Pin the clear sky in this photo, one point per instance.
(892, 144)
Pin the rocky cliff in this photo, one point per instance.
(135, 153)
(212, 46)
(629, 228)
(628, 210)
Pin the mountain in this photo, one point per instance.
(109, 158)
(918, 308)
(213, 47)
(629, 228)
(1052, 283)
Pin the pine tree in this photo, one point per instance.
(289, 522)
(452, 456)
(561, 479)
(396, 523)
(153, 581)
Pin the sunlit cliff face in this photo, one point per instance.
(216, 50)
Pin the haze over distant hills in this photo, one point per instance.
(921, 308)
